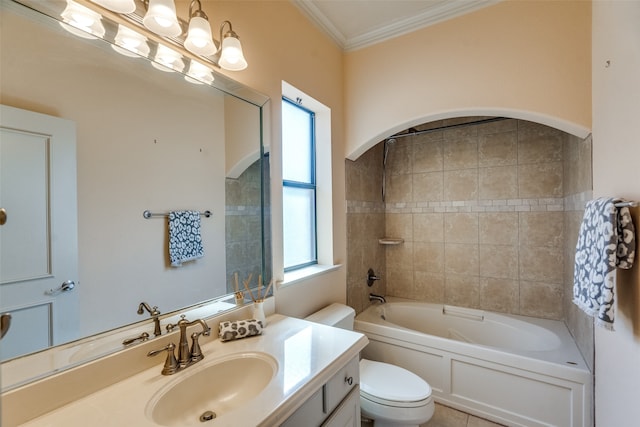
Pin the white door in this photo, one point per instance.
(39, 237)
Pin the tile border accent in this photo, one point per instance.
(498, 205)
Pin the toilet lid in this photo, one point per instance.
(392, 383)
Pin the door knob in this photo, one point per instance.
(3, 216)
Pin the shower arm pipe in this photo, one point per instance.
(420, 132)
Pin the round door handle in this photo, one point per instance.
(349, 380)
(3, 216)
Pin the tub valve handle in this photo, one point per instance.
(371, 277)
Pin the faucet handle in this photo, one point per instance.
(170, 363)
(196, 352)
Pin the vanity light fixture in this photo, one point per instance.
(199, 39)
(130, 43)
(160, 24)
(161, 18)
(231, 56)
(118, 6)
(81, 21)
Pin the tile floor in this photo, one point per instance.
(449, 417)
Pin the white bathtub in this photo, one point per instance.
(515, 370)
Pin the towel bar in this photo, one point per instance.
(626, 204)
(149, 214)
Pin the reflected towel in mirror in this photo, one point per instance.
(185, 241)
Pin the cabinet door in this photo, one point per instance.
(347, 414)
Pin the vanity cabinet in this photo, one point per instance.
(335, 404)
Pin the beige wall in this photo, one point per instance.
(616, 166)
(522, 59)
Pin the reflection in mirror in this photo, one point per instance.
(144, 140)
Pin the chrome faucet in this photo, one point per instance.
(155, 315)
(375, 297)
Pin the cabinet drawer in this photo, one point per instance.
(341, 384)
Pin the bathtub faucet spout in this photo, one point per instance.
(375, 297)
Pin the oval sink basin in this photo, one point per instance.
(205, 391)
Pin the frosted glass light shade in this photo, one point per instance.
(130, 43)
(82, 21)
(167, 59)
(231, 57)
(118, 6)
(199, 39)
(161, 18)
(199, 73)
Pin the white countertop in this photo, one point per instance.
(308, 354)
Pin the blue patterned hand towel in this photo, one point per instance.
(185, 242)
(606, 242)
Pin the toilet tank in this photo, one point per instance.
(338, 315)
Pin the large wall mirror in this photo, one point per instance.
(145, 139)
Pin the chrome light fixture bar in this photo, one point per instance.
(157, 20)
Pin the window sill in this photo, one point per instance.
(293, 277)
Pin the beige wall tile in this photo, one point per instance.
(461, 228)
(400, 282)
(542, 228)
(461, 153)
(541, 300)
(540, 180)
(501, 295)
(511, 262)
(427, 186)
(538, 143)
(498, 127)
(500, 149)
(461, 259)
(462, 290)
(429, 286)
(499, 182)
(399, 156)
(428, 257)
(498, 228)
(499, 261)
(399, 225)
(428, 156)
(399, 188)
(461, 184)
(541, 264)
(400, 256)
(428, 227)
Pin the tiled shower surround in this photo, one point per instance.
(489, 214)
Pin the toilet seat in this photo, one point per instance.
(392, 385)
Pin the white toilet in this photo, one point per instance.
(390, 395)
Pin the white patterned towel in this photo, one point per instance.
(606, 242)
(185, 242)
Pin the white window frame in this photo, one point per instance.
(324, 188)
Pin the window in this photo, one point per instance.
(299, 186)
